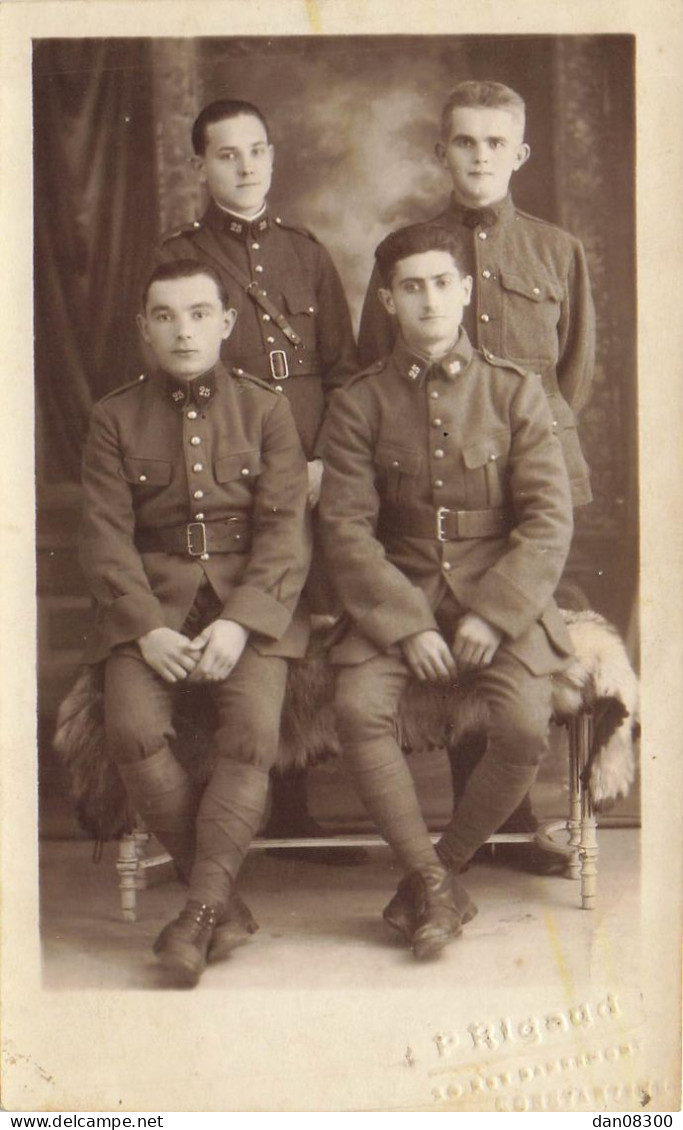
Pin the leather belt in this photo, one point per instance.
(227, 535)
(448, 525)
(279, 364)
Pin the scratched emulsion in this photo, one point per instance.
(313, 13)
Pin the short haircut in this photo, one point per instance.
(184, 269)
(414, 240)
(493, 95)
(219, 112)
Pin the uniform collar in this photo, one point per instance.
(239, 228)
(473, 218)
(414, 368)
(200, 390)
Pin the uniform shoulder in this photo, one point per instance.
(181, 231)
(285, 225)
(371, 371)
(248, 380)
(546, 227)
(127, 388)
(504, 363)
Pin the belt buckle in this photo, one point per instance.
(190, 534)
(440, 519)
(282, 361)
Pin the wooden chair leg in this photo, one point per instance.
(588, 844)
(574, 818)
(127, 864)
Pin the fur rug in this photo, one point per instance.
(600, 679)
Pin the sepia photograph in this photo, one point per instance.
(341, 759)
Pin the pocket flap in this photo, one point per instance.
(537, 288)
(486, 450)
(299, 300)
(149, 472)
(239, 465)
(391, 456)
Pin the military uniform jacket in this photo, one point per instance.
(531, 304)
(298, 276)
(161, 453)
(469, 433)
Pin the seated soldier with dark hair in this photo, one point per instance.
(195, 544)
(447, 519)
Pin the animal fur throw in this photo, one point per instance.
(600, 679)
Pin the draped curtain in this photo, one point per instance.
(95, 209)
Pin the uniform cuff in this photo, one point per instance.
(499, 600)
(388, 623)
(130, 617)
(257, 611)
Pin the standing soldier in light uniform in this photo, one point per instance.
(531, 302)
(293, 330)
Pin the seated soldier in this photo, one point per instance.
(195, 544)
(447, 519)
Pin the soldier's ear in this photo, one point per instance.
(197, 164)
(229, 318)
(467, 283)
(522, 155)
(142, 326)
(387, 300)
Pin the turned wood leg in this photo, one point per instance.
(127, 866)
(588, 846)
(574, 818)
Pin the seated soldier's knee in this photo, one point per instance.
(134, 738)
(253, 740)
(519, 736)
(361, 714)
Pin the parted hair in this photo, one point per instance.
(414, 240)
(218, 112)
(184, 269)
(493, 95)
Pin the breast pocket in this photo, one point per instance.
(531, 311)
(146, 473)
(486, 462)
(244, 466)
(397, 471)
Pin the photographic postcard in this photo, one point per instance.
(541, 1006)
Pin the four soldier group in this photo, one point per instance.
(429, 497)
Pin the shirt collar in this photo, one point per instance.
(414, 368)
(481, 217)
(200, 390)
(240, 228)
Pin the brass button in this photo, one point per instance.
(311, 309)
(438, 483)
(492, 457)
(258, 269)
(278, 388)
(270, 340)
(199, 517)
(197, 467)
(484, 318)
(437, 422)
(192, 415)
(244, 471)
(438, 454)
(142, 478)
(447, 566)
(256, 247)
(195, 441)
(395, 463)
(265, 317)
(204, 556)
(198, 494)
(486, 274)
(434, 395)
(536, 290)
(482, 235)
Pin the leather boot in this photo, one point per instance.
(233, 928)
(182, 945)
(167, 800)
(401, 913)
(438, 921)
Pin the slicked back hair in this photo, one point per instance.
(219, 111)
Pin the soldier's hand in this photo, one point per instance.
(169, 653)
(222, 644)
(428, 656)
(476, 641)
(315, 480)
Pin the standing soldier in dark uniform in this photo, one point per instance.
(293, 330)
(195, 544)
(446, 517)
(531, 301)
